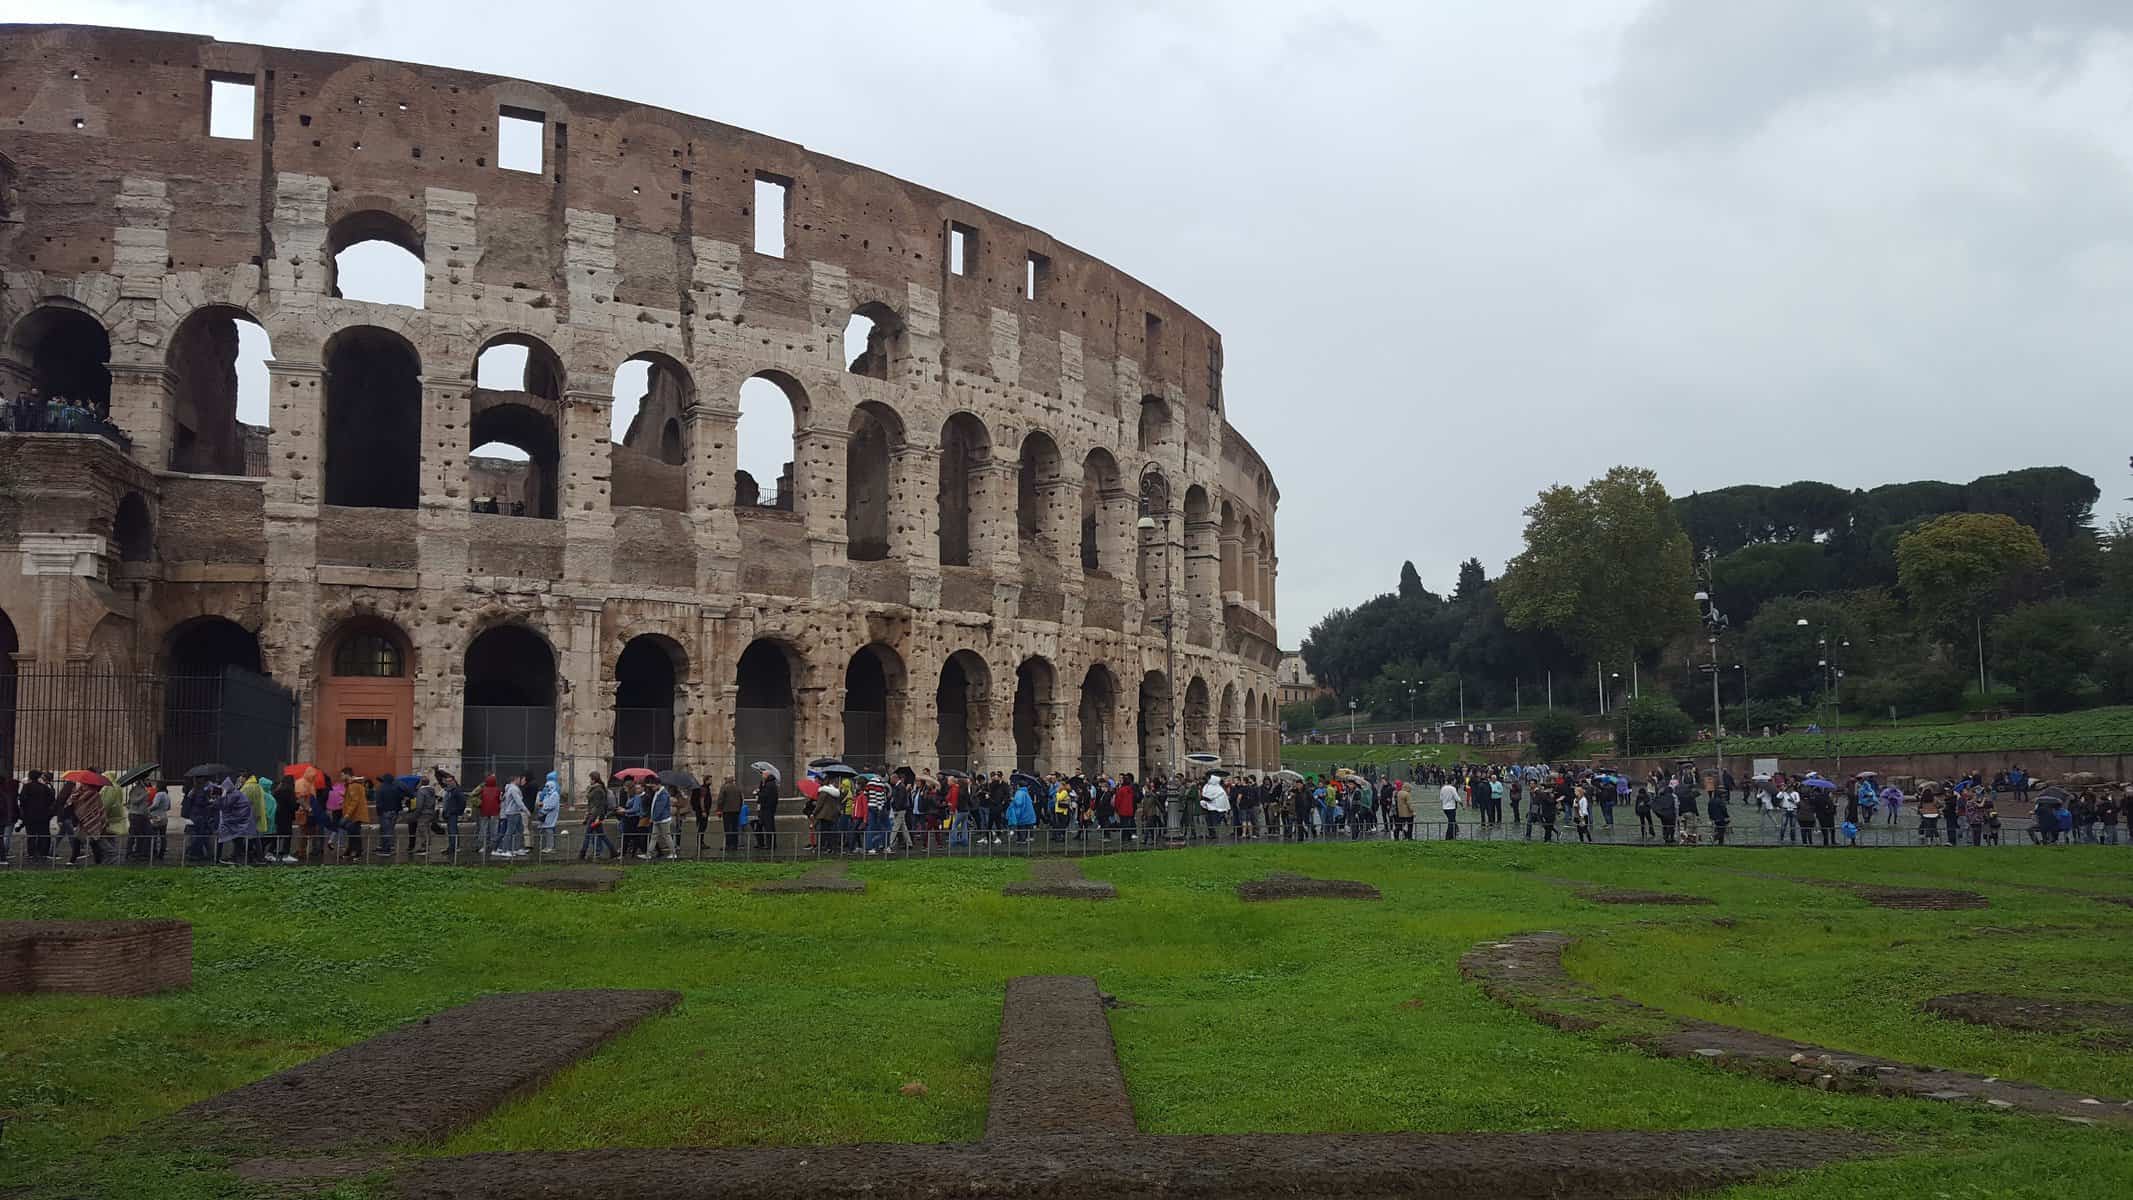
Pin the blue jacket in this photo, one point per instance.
(1022, 811)
(662, 805)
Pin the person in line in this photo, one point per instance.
(37, 805)
(1581, 814)
(1022, 814)
(422, 817)
(1788, 805)
(597, 807)
(489, 819)
(235, 823)
(1721, 816)
(1448, 798)
(10, 813)
(261, 847)
(451, 808)
(285, 810)
(389, 798)
(700, 809)
(1214, 798)
(766, 811)
(511, 843)
(1664, 807)
(661, 844)
(355, 813)
(551, 809)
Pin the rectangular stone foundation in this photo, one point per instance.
(96, 958)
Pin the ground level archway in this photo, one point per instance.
(764, 729)
(366, 700)
(509, 709)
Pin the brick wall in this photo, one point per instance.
(96, 958)
(212, 520)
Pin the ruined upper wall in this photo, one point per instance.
(82, 108)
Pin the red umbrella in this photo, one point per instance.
(636, 773)
(90, 778)
(299, 770)
(810, 787)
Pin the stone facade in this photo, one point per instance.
(951, 483)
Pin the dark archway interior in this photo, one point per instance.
(207, 645)
(1098, 702)
(645, 689)
(132, 530)
(763, 729)
(1039, 466)
(373, 421)
(1033, 689)
(70, 357)
(866, 488)
(951, 744)
(670, 448)
(532, 432)
(510, 666)
(1153, 722)
(1199, 737)
(764, 677)
(866, 711)
(1155, 422)
(207, 438)
(9, 647)
(962, 448)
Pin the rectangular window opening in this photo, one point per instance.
(1037, 277)
(962, 249)
(364, 731)
(520, 133)
(771, 196)
(1154, 336)
(230, 106)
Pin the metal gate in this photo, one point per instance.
(763, 735)
(506, 740)
(644, 737)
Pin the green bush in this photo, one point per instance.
(1555, 734)
(1649, 722)
(2049, 653)
(1908, 689)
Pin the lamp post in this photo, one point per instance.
(1351, 722)
(1714, 621)
(1746, 718)
(1832, 695)
(1412, 733)
(1155, 516)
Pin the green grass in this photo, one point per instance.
(1315, 759)
(803, 1015)
(2095, 731)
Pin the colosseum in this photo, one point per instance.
(1014, 524)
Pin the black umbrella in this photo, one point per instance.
(954, 773)
(678, 779)
(831, 761)
(209, 771)
(136, 775)
(829, 768)
(1023, 779)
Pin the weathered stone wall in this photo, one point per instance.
(635, 240)
(96, 958)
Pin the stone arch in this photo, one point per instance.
(133, 532)
(962, 703)
(1202, 550)
(883, 344)
(1036, 686)
(1152, 724)
(1253, 754)
(1105, 511)
(209, 361)
(373, 434)
(966, 449)
(206, 646)
(877, 438)
(516, 361)
(1157, 535)
(375, 255)
(1037, 474)
(876, 687)
(649, 463)
(67, 353)
(523, 484)
(510, 685)
(366, 697)
(759, 403)
(649, 701)
(1098, 709)
(766, 700)
(1197, 718)
(1230, 733)
(197, 656)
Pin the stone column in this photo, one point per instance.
(584, 489)
(1203, 592)
(714, 455)
(144, 405)
(915, 521)
(1059, 522)
(1248, 578)
(818, 495)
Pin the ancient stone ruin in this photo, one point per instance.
(96, 958)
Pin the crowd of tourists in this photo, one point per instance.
(31, 411)
(306, 815)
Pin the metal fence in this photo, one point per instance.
(61, 720)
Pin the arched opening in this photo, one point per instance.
(961, 701)
(873, 341)
(650, 426)
(132, 532)
(218, 363)
(773, 408)
(873, 696)
(1198, 719)
(1232, 550)
(1253, 752)
(198, 657)
(1034, 683)
(1231, 732)
(1157, 538)
(1202, 553)
(1100, 520)
(69, 355)
(514, 461)
(647, 688)
(965, 447)
(877, 436)
(763, 726)
(1155, 423)
(373, 420)
(377, 258)
(514, 362)
(1152, 724)
(510, 685)
(1099, 704)
(1039, 470)
(10, 645)
(366, 707)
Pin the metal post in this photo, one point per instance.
(1979, 619)
(1718, 724)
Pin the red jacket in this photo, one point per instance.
(1122, 801)
(492, 797)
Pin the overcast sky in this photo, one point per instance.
(1460, 251)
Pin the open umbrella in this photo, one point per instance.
(954, 773)
(1827, 785)
(137, 774)
(832, 761)
(1023, 779)
(86, 778)
(1291, 776)
(827, 770)
(1866, 775)
(1201, 758)
(210, 771)
(810, 787)
(768, 768)
(678, 779)
(293, 770)
(633, 773)
(2054, 792)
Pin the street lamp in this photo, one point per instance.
(1714, 621)
(1154, 516)
(1747, 720)
(1412, 733)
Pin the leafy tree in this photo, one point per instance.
(1472, 578)
(1784, 656)
(1651, 722)
(1963, 567)
(1909, 688)
(1411, 582)
(1555, 734)
(1753, 575)
(2059, 503)
(1606, 567)
(1808, 509)
(1300, 716)
(2049, 652)
(1724, 520)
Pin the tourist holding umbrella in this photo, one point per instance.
(766, 807)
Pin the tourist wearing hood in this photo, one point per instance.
(511, 843)
(137, 828)
(235, 823)
(551, 806)
(355, 812)
(389, 798)
(284, 796)
(262, 805)
(597, 805)
(112, 802)
(1022, 813)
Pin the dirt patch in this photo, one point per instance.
(1281, 885)
(1526, 972)
(1925, 898)
(1055, 1070)
(1519, 1166)
(1632, 896)
(2036, 1014)
(822, 877)
(569, 879)
(1060, 877)
(425, 1078)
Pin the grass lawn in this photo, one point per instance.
(803, 1015)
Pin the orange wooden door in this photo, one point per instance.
(367, 725)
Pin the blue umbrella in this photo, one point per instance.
(1827, 785)
(411, 782)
